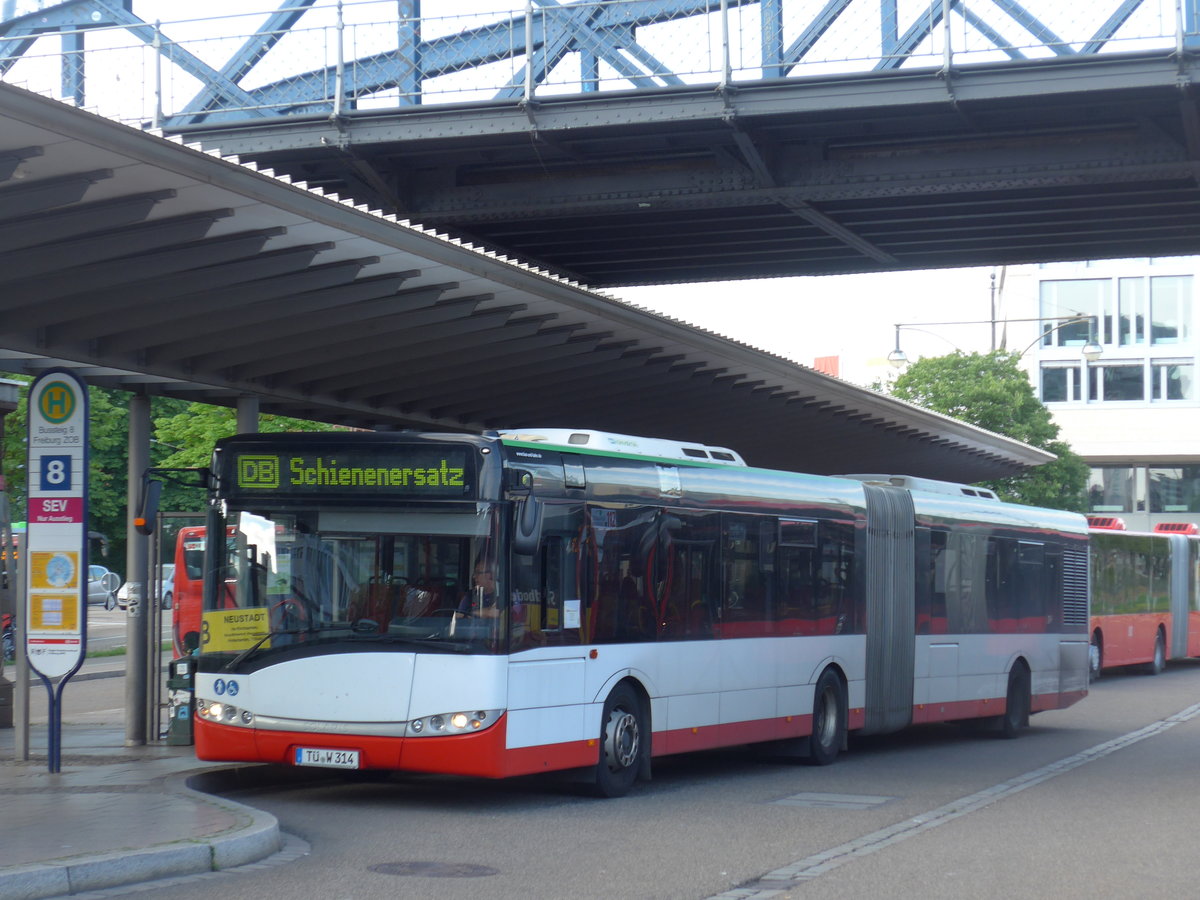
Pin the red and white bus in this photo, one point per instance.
(1145, 595)
(188, 589)
(500, 605)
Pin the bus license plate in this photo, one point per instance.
(333, 759)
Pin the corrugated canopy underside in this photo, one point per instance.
(152, 267)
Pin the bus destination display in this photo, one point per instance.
(417, 471)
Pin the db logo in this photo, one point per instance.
(258, 472)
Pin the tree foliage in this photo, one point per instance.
(186, 437)
(991, 390)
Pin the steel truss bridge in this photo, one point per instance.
(649, 141)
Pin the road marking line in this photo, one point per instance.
(776, 882)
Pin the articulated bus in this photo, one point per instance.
(504, 604)
(1145, 595)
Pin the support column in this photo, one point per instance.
(247, 415)
(137, 559)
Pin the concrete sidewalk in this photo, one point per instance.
(116, 815)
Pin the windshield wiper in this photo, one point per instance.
(250, 651)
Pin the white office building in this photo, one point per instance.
(1133, 412)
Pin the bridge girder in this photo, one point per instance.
(1042, 160)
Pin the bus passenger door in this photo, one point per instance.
(686, 591)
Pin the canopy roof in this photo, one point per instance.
(150, 266)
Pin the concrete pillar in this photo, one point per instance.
(9, 586)
(247, 415)
(137, 559)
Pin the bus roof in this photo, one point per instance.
(627, 444)
(927, 485)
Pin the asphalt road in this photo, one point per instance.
(1097, 801)
(107, 628)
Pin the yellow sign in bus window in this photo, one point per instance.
(233, 629)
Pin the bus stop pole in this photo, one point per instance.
(137, 629)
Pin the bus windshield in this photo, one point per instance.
(416, 577)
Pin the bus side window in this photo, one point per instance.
(748, 543)
(621, 607)
(686, 588)
(932, 576)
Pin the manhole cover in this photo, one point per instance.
(434, 869)
(834, 801)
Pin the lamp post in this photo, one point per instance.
(1092, 350)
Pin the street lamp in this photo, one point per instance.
(1092, 350)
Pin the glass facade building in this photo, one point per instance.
(1133, 413)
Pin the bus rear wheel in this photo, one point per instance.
(622, 742)
(828, 720)
(1018, 702)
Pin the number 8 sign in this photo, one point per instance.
(55, 473)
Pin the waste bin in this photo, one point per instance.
(181, 701)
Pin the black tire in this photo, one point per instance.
(1095, 658)
(1018, 702)
(828, 720)
(623, 741)
(10, 648)
(1159, 661)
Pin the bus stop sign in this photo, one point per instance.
(56, 540)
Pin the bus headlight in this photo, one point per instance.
(225, 713)
(443, 724)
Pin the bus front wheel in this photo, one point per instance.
(622, 742)
(1158, 662)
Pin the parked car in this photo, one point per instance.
(166, 588)
(102, 586)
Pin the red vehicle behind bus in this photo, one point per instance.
(189, 583)
(1145, 596)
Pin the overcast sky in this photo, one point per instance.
(851, 316)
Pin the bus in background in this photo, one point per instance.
(188, 588)
(544, 600)
(1145, 595)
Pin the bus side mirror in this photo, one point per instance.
(148, 507)
(527, 526)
